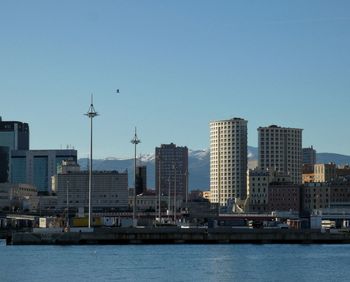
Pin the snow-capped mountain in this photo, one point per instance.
(199, 163)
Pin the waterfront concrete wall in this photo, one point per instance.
(177, 235)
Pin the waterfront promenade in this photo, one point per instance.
(173, 235)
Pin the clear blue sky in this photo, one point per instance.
(178, 65)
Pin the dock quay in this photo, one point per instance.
(173, 235)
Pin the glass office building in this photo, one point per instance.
(14, 134)
(36, 167)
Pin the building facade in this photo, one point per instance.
(109, 190)
(141, 179)
(14, 134)
(18, 197)
(325, 172)
(340, 193)
(171, 167)
(309, 156)
(228, 160)
(280, 149)
(4, 164)
(284, 197)
(258, 185)
(315, 196)
(36, 167)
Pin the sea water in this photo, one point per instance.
(176, 263)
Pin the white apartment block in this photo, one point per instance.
(280, 150)
(228, 160)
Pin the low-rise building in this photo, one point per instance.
(18, 197)
(315, 196)
(47, 204)
(284, 196)
(343, 172)
(308, 177)
(325, 172)
(340, 192)
(149, 202)
(258, 183)
(109, 190)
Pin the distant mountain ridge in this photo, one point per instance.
(199, 165)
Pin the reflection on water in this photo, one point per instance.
(175, 263)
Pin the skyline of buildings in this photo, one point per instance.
(280, 153)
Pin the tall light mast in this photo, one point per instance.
(159, 191)
(90, 114)
(175, 206)
(135, 141)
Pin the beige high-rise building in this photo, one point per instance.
(228, 160)
(280, 150)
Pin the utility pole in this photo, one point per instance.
(175, 193)
(159, 190)
(90, 114)
(169, 197)
(134, 141)
(67, 222)
(186, 197)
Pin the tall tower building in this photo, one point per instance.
(280, 150)
(14, 134)
(309, 156)
(141, 179)
(228, 160)
(171, 170)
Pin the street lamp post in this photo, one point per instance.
(169, 197)
(134, 141)
(186, 196)
(159, 191)
(175, 194)
(67, 223)
(90, 114)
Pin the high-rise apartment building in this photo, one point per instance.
(228, 160)
(14, 134)
(280, 150)
(36, 167)
(309, 156)
(172, 170)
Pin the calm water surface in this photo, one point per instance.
(176, 263)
